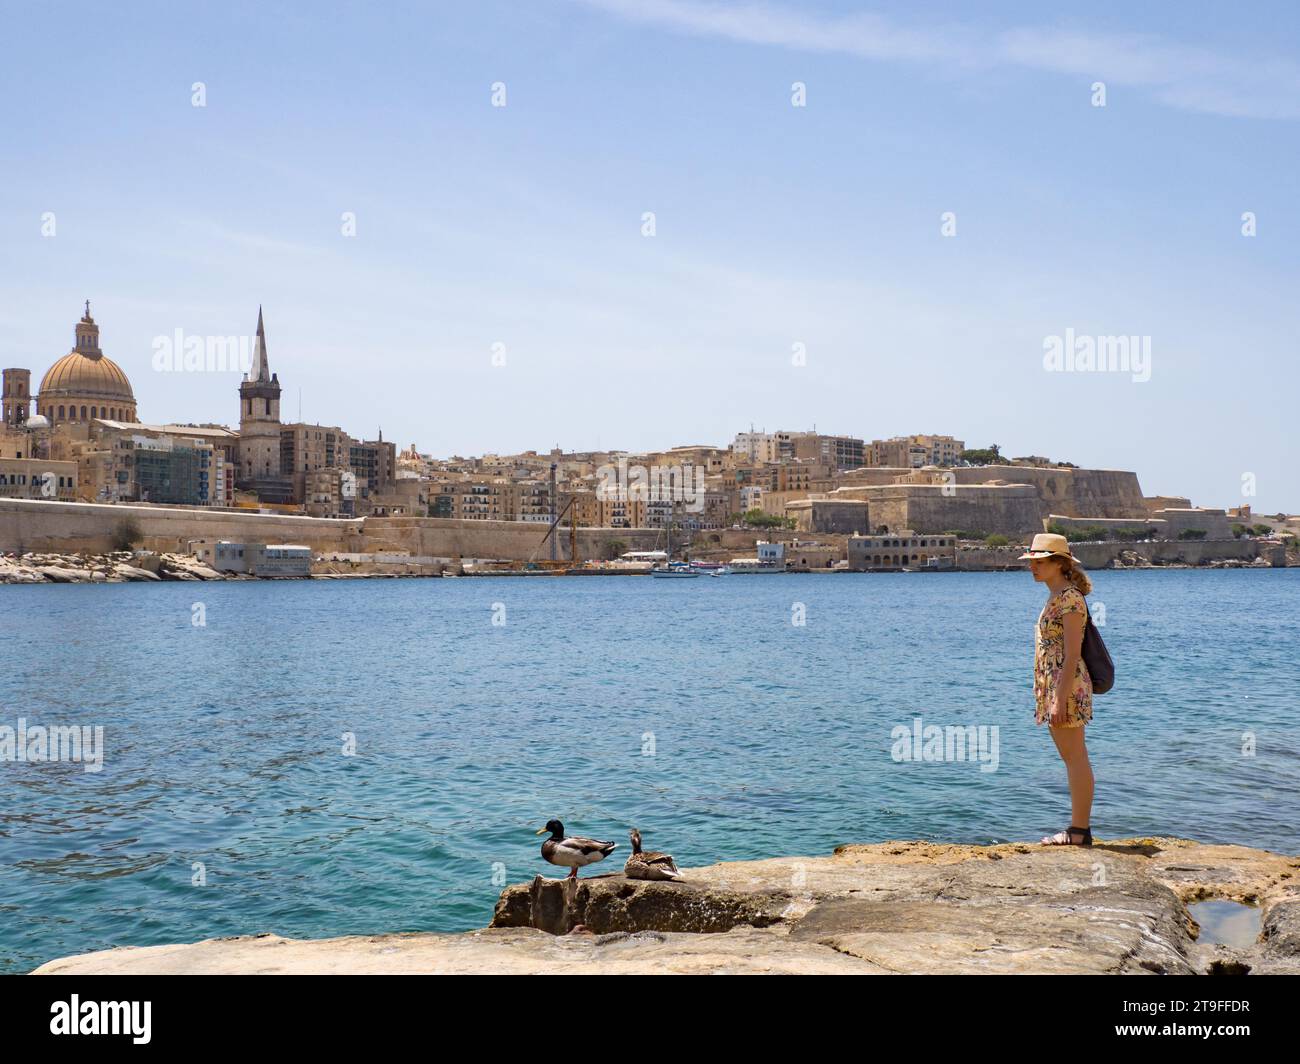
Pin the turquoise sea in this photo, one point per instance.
(693, 709)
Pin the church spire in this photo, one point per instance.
(261, 371)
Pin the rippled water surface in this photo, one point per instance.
(694, 709)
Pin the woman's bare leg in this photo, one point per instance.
(1070, 744)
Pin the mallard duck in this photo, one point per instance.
(649, 864)
(572, 853)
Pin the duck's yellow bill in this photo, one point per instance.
(541, 832)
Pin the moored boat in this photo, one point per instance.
(753, 565)
(674, 570)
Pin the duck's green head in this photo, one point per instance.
(553, 827)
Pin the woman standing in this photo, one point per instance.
(1062, 686)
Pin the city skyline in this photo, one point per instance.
(775, 225)
(262, 452)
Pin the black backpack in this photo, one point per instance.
(1096, 657)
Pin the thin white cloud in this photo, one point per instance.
(1181, 76)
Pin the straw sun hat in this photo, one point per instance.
(1047, 545)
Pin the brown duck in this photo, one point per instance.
(647, 864)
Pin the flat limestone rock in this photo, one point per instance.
(896, 907)
(514, 951)
(63, 575)
(176, 567)
(925, 907)
(130, 572)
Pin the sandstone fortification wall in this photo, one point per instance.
(38, 524)
(1158, 552)
(43, 525)
(844, 516)
(1010, 509)
(1166, 524)
(1000, 498)
(516, 540)
(1068, 491)
(1160, 502)
(1185, 552)
(869, 475)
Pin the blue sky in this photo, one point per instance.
(775, 225)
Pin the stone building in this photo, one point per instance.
(586, 508)
(757, 446)
(913, 452)
(805, 555)
(899, 451)
(903, 549)
(471, 498)
(310, 449)
(839, 452)
(375, 464)
(134, 462)
(37, 478)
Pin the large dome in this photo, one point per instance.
(80, 375)
(84, 384)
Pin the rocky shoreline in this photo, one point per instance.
(117, 567)
(888, 908)
(140, 566)
(1127, 559)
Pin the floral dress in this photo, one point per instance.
(1049, 658)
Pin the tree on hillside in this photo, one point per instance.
(990, 455)
(756, 518)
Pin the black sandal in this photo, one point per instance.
(1069, 833)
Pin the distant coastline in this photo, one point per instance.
(120, 567)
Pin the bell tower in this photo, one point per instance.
(259, 423)
(17, 396)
